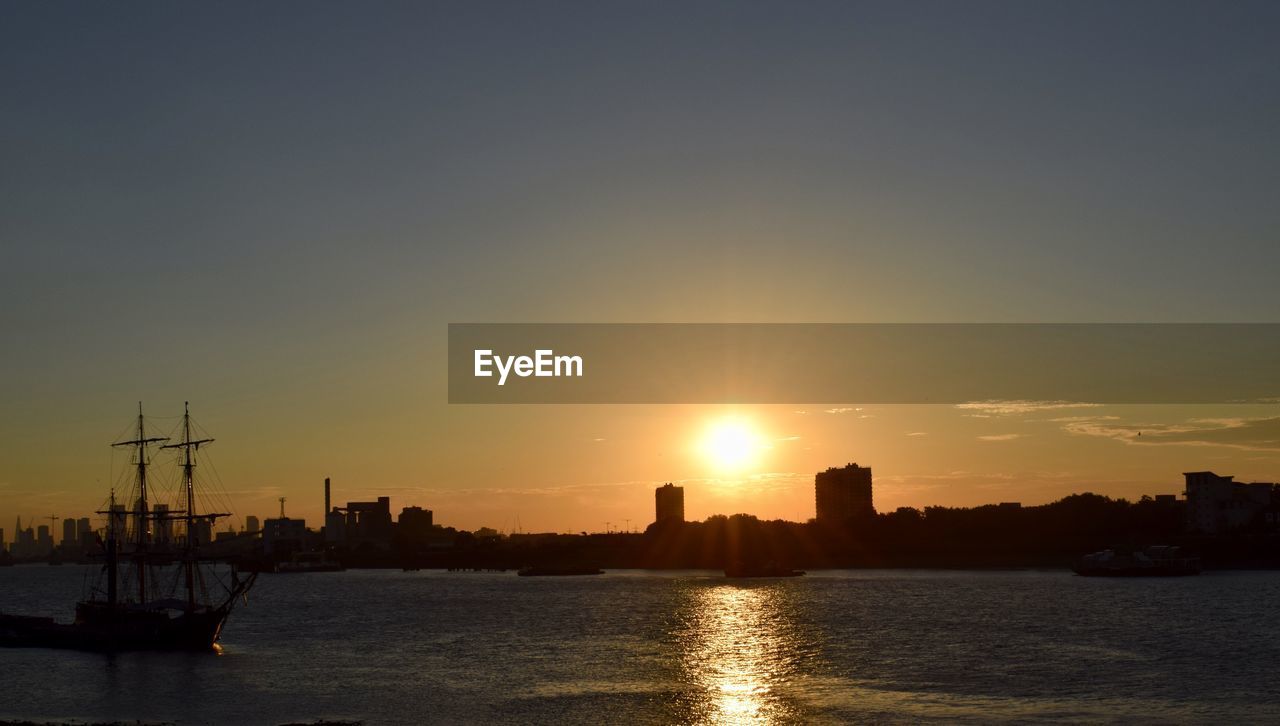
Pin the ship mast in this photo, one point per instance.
(143, 529)
(189, 446)
(112, 548)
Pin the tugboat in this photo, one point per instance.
(139, 602)
(1155, 561)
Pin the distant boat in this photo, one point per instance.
(558, 571)
(1154, 561)
(139, 602)
(739, 569)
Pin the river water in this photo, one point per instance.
(661, 647)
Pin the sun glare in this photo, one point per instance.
(732, 445)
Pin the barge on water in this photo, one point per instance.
(1154, 561)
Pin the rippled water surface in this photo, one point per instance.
(632, 646)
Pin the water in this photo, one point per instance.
(631, 646)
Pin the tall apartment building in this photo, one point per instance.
(668, 503)
(843, 494)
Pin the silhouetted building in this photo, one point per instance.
(367, 522)
(201, 532)
(335, 526)
(228, 534)
(24, 543)
(843, 494)
(416, 518)
(44, 541)
(1220, 504)
(140, 517)
(69, 538)
(162, 525)
(283, 535)
(414, 524)
(668, 503)
(1, 540)
(85, 533)
(251, 524)
(116, 520)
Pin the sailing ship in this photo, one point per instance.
(149, 595)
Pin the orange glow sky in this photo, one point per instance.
(274, 214)
(574, 468)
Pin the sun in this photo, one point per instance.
(732, 445)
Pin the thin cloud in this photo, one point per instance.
(1009, 408)
(959, 475)
(1000, 437)
(917, 433)
(1241, 433)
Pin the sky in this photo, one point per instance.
(274, 210)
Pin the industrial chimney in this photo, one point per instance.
(326, 497)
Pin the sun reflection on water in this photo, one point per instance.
(739, 650)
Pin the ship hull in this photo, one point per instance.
(121, 630)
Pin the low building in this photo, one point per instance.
(1218, 504)
(367, 522)
(415, 524)
(283, 535)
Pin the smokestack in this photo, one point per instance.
(326, 497)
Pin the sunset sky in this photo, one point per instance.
(274, 211)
